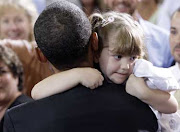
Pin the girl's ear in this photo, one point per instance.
(40, 55)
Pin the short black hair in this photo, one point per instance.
(62, 32)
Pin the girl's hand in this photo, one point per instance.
(136, 86)
(159, 100)
(90, 77)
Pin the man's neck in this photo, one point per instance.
(146, 10)
(83, 64)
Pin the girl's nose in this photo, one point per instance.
(125, 65)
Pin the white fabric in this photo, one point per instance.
(164, 79)
(156, 78)
(171, 122)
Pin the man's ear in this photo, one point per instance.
(40, 55)
(94, 41)
(95, 46)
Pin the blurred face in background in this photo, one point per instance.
(8, 84)
(14, 24)
(87, 2)
(175, 36)
(125, 6)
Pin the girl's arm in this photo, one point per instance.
(160, 100)
(66, 80)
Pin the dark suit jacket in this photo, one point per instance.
(106, 109)
(19, 100)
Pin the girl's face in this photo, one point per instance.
(14, 24)
(115, 67)
(8, 84)
(175, 36)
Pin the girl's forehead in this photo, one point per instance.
(113, 40)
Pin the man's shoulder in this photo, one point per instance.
(20, 100)
(79, 91)
(62, 102)
(80, 106)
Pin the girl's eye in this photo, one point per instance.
(117, 57)
(133, 58)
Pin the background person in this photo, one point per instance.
(11, 82)
(17, 19)
(91, 6)
(149, 10)
(171, 123)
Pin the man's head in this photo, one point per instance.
(175, 36)
(62, 32)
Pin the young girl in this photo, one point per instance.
(120, 44)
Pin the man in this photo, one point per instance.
(63, 34)
(171, 123)
(11, 82)
(175, 43)
(156, 39)
(175, 48)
